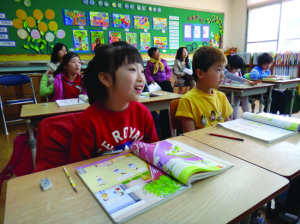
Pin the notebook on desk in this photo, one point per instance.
(133, 182)
(265, 127)
(82, 99)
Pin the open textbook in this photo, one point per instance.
(82, 99)
(264, 126)
(128, 184)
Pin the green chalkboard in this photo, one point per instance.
(39, 17)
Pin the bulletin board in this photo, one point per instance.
(34, 26)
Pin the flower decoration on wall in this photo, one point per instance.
(39, 32)
(219, 22)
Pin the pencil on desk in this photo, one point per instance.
(223, 136)
(70, 179)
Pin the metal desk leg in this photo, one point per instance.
(292, 101)
(261, 101)
(269, 100)
(232, 104)
(31, 142)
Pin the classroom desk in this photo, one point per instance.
(283, 84)
(32, 111)
(248, 90)
(52, 109)
(225, 198)
(281, 157)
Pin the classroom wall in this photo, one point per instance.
(224, 6)
(238, 24)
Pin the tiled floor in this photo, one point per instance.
(6, 143)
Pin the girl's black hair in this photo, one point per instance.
(108, 58)
(264, 58)
(179, 56)
(56, 49)
(235, 61)
(151, 51)
(65, 60)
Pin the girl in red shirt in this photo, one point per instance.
(68, 80)
(114, 81)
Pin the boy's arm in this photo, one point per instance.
(233, 77)
(46, 90)
(188, 124)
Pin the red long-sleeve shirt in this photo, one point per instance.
(99, 130)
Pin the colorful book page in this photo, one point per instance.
(131, 38)
(160, 42)
(74, 17)
(160, 23)
(114, 36)
(100, 19)
(145, 41)
(141, 22)
(80, 41)
(121, 21)
(96, 37)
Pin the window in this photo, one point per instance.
(274, 27)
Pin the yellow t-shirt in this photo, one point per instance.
(205, 109)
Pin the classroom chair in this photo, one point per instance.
(54, 141)
(174, 122)
(15, 80)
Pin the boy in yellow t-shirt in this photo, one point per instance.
(203, 106)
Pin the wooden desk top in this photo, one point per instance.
(281, 157)
(52, 109)
(245, 87)
(282, 81)
(226, 197)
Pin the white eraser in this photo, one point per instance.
(46, 184)
(44, 104)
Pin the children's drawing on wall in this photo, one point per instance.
(121, 21)
(145, 41)
(99, 19)
(131, 38)
(114, 36)
(38, 31)
(74, 17)
(160, 23)
(205, 32)
(96, 37)
(80, 41)
(141, 22)
(160, 42)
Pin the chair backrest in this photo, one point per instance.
(174, 122)
(54, 141)
(14, 80)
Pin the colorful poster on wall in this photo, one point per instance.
(131, 38)
(145, 41)
(205, 33)
(141, 22)
(74, 17)
(187, 32)
(96, 37)
(160, 42)
(114, 36)
(99, 19)
(121, 21)
(80, 41)
(160, 23)
(196, 32)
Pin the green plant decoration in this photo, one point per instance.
(219, 22)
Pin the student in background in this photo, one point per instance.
(68, 80)
(235, 62)
(203, 106)
(157, 70)
(262, 70)
(46, 85)
(114, 81)
(182, 62)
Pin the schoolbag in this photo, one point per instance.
(20, 162)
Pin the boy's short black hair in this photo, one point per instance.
(205, 57)
(264, 58)
(235, 61)
(151, 51)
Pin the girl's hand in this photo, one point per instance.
(152, 82)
